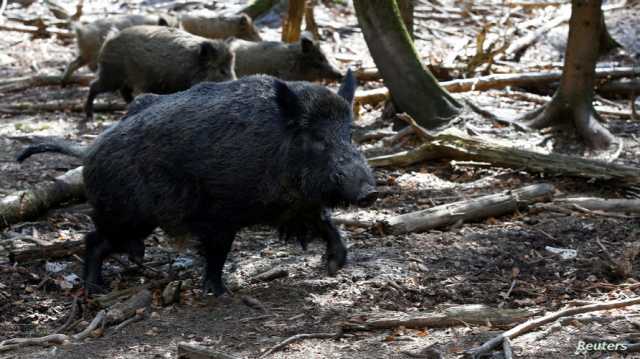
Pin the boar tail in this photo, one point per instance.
(53, 145)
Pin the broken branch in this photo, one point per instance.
(536, 323)
(71, 106)
(24, 205)
(192, 351)
(454, 316)
(298, 337)
(21, 83)
(459, 147)
(493, 205)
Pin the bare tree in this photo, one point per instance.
(291, 24)
(571, 105)
(414, 89)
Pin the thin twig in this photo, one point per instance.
(135, 318)
(95, 323)
(74, 309)
(491, 116)
(298, 337)
(536, 323)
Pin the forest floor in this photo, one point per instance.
(500, 262)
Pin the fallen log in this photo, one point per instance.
(25, 205)
(15, 343)
(109, 299)
(71, 106)
(39, 31)
(493, 205)
(193, 351)
(499, 81)
(25, 82)
(271, 274)
(38, 252)
(459, 147)
(475, 314)
(603, 204)
(372, 97)
(122, 311)
(620, 87)
(368, 74)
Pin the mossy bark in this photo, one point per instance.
(415, 90)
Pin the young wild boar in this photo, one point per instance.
(301, 61)
(159, 60)
(91, 36)
(219, 157)
(220, 27)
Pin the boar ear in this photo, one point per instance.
(162, 21)
(306, 42)
(245, 21)
(288, 102)
(348, 87)
(207, 51)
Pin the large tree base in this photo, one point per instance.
(563, 114)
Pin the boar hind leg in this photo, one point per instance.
(94, 89)
(97, 87)
(97, 249)
(119, 238)
(71, 68)
(215, 245)
(336, 250)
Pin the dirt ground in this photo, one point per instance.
(500, 262)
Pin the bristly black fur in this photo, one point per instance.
(218, 157)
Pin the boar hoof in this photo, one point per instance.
(336, 262)
(216, 287)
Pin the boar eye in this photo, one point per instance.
(318, 146)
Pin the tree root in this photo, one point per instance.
(582, 117)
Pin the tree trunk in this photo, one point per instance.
(406, 11)
(572, 103)
(391, 107)
(310, 20)
(414, 89)
(291, 24)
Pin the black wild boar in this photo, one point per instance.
(220, 27)
(159, 60)
(91, 36)
(301, 61)
(219, 157)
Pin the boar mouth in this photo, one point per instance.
(368, 199)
